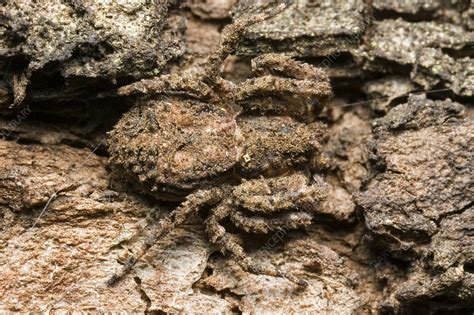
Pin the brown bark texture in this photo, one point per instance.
(394, 236)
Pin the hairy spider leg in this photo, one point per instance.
(278, 64)
(176, 83)
(188, 83)
(219, 236)
(303, 88)
(231, 36)
(263, 225)
(273, 85)
(192, 204)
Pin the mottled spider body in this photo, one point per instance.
(203, 141)
(171, 147)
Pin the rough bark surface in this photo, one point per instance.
(395, 235)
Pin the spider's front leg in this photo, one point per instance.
(196, 85)
(192, 204)
(231, 35)
(282, 203)
(263, 225)
(284, 86)
(219, 236)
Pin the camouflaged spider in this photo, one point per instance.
(199, 139)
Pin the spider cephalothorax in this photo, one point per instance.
(204, 141)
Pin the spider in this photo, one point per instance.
(243, 151)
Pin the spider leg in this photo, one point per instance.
(179, 83)
(271, 85)
(219, 236)
(272, 63)
(192, 204)
(231, 36)
(284, 86)
(289, 192)
(188, 83)
(263, 225)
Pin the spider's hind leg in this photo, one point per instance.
(192, 204)
(221, 238)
